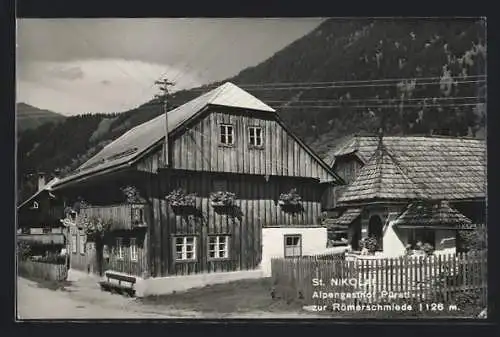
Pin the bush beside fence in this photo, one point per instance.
(42, 270)
(382, 280)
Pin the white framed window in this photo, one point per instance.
(74, 243)
(185, 248)
(119, 248)
(133, 249)
(83, 240)
(293, 245)
(226, 134)
(218, 247)
(255, 135)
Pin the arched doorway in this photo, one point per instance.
(375, 228)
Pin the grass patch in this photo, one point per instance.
(237, 296)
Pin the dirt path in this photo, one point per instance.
(84, 300)
(34, 302)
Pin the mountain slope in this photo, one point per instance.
(441, 61)
(30, 117)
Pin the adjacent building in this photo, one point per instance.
(393, 178)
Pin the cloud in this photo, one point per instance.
(217, 47)
(68, 73)
(110, 85)
(106, 65)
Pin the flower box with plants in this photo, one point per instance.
(290, 201)
(180, 201)
(96, 228)
(222, 199)
(369, 245)
(132, 195)
(290, 198)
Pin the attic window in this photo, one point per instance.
(255, 136)
(226, 134)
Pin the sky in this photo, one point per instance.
(75, 66)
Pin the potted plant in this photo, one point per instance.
(369, 244)
(290, 201)
(428, 249)
(290, 198)
(132, 195)
(180, 201)
(96, 228)
(222, 199)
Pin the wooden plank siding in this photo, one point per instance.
(197, 159)
(257, 200)
(197, 147)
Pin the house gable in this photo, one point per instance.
(198, 146)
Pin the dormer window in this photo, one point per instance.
(226, 134)
(255, 136)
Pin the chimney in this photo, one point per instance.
(41, 180)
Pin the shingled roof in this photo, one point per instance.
(344, 220)
(419, 168)
(139, 139)
(439, 214)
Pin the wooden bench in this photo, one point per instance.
(127, 289)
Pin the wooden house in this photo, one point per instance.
(391, 176)
(229, 187)
(38, 220)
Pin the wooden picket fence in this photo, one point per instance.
(380, 280)
(42, 270)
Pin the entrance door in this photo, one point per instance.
(375, 229)
(355, 234)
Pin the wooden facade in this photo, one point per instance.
(212, 239)
(197, 147)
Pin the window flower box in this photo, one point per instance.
(290, 201)
(222, 199)
(180, 202)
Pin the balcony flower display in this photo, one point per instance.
(291, 198)
(180, 201)
(132, 195)
(96, 227)
(290, 202)
(222, 199)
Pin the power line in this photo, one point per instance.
(265, 88)
(372, 100)
(269, 84)
(375, 106)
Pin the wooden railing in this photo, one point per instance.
(125, 216)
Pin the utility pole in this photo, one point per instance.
(164, 85)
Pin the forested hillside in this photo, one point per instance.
(422, 76)
(30, 117)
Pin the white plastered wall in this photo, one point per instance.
(314, 240)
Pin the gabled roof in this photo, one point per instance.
(440, 214)
(129, 146)
(46, 188)
(382, 178)
(439, 168)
